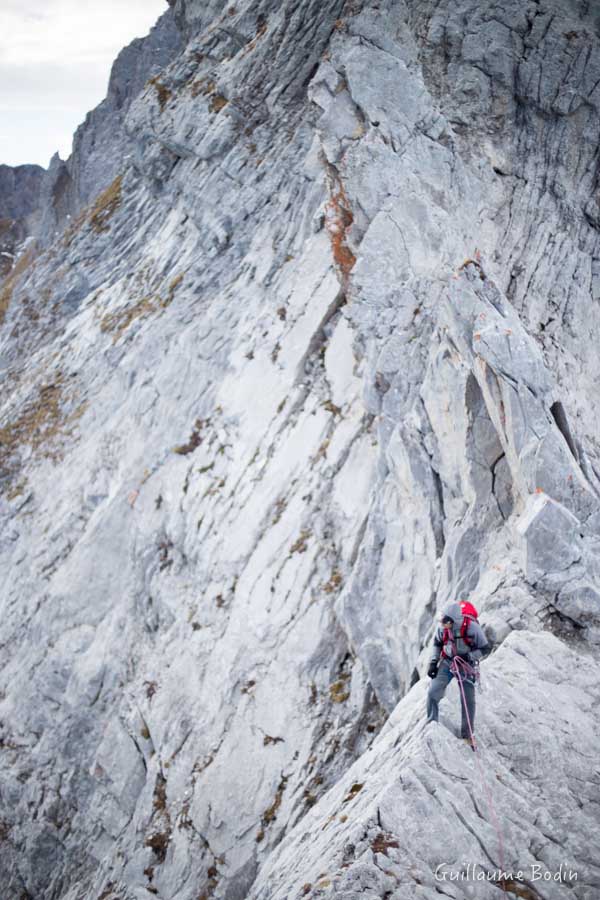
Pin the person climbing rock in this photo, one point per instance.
(458, 645)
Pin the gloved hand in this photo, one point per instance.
(433, 669)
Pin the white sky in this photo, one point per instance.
(55, 59)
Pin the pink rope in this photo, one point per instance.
(455, 668)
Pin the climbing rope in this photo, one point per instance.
(461, 669)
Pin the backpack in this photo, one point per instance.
(469, 614)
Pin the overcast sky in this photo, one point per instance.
(55, 59)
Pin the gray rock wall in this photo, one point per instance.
(19, 191)
(101, 147)
(318, 359)
(20, 188)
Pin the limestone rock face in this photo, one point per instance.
(101, 146)
(19, 191)
(20, 188)
(316, 357)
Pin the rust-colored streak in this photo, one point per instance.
(338, 220)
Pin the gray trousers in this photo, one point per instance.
(437, 689)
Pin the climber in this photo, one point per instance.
(459, 636)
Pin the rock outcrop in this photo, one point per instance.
(319, 357)
(101, 145)
(19, 202)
